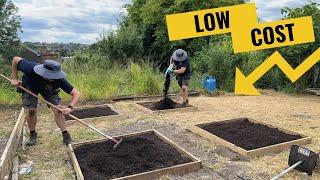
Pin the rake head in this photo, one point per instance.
(118, 144)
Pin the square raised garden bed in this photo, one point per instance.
(96, 112)
(162, 106)
(143, 155)
(9, 147)
(249, 137)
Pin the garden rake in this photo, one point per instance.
(117, 143)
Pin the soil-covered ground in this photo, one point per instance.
(140, 153)
(248, 135)
(92, 112)
(297, 113)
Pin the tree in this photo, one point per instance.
(9, 28)
(297, 54)
(146, 20)
(1, 64)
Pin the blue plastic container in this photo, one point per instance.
(210, 84)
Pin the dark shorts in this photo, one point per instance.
(31, 102)
(183, 80)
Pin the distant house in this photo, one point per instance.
(39, 56)
(47, 54)
(30, 54)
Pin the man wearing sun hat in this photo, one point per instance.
(180, 60)
(45, 79)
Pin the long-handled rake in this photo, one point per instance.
(117, 143)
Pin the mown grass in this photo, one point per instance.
(96, 82)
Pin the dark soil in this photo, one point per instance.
(92, 112)
(166, 103)
(135, 155)
(248, 135)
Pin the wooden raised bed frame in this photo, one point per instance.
(8, 155)
(174, 170)
(147, 110)
(255, 152)
(118, 116)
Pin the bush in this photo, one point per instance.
(126, 43)
(1, 64)
(216, 60)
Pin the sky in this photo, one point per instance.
(82, 21)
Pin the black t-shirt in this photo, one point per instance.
(38, 84)
(186, 64)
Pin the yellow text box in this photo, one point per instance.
(182, 26)
(273, 34)
(241, 21)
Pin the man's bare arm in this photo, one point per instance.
(15, 81)
(74, 100)
(75, 97)
(180, 71)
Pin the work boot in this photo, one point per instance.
(66, 138)
(32, 140)
(184, 104)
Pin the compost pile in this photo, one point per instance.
(163, 104)
(136, 154)
(92, 112)
(166, 103)
(248, 135)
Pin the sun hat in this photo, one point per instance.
(50, 69)
(180, 55)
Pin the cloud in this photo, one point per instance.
(68, 21)
(271, 10)
(83, 20)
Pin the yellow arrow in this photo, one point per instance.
(244, 85)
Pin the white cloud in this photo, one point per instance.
(68, 21)
(270, 10)
(83, 20)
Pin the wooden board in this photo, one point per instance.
(15, 169)
(147, 110)
(174, 170)
(255, 152)
(313, 91)
(7, 157)
(93, 120)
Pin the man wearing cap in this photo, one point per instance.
(180, 61)
(45, 79)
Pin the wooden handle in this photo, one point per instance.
(72, 116)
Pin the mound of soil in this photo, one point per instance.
(135, 155)
(166, 103)
(248, 135)
(92, 112)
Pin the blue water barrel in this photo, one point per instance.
(210, 84)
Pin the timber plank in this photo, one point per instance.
(7, 157)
